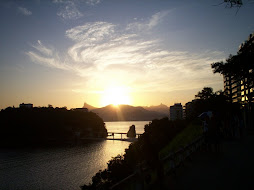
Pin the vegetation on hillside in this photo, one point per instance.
(189, 134)
(207, 100)
(162, 137)
(157, 134)
(27, 126)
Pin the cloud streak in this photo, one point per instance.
(24, 11)
(93, 2)
(149, 24)
(106, 54)
(68, 10)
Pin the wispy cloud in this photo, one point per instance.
(93, 2)
(47, 56)
(24, 11)
(104, 54)
(91, 32)
(157, 18)
(148, 24)
(59, 1)
(68, 9)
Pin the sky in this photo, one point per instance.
(138, 52)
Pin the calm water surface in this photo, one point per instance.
(61, 167)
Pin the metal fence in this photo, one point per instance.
(143, 179)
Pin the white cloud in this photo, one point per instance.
(47, 56)
(42, 49)
(157, 18)
(148, 24)
(93, 2)
(91, 32)
(104, 54)
(68, 9)
(24, 11)
(59, 1)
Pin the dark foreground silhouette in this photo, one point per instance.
(230, 168)
(40, 126)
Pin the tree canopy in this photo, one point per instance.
(205, 94)
(32, 126)
(208, 100)
(239, 66)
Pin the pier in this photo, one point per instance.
(113, 135)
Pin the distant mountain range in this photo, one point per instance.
(89, 107)
(129, 113)
(160, 108)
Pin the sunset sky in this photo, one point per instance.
(138, 52)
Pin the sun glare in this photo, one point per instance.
(115, 95)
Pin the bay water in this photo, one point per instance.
(62, 167)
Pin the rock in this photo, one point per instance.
(132, 132)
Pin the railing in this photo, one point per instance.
(175, 159)
(170, 163)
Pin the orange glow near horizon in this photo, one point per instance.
(115, 95)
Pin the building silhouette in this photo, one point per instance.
(25, 105)
(176, 111)
(240, 89)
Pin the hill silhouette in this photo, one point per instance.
(160, 108)
(47, 125)
(127, 113)
(89, 107)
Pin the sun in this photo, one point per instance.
(116, 95)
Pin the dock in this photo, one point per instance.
(113, 135)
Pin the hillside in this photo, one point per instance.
(127, 113)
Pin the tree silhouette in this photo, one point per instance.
(207, 100)
(240, 66)
(233, 3)
(46, 125)
(205, 94)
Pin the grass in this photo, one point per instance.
(190, 133)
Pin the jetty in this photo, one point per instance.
(113, 134)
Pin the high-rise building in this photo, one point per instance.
(176, 111)
(25, 105)
(241, 89)
(237, 89)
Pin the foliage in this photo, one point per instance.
(26, 126)
(189, 134)
(157, 134)
(233, 3)
(239, 66)
(205, 94)
(208, 101)
(160, 137)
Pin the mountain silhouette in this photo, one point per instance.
(89, 107)
(127, 113)
(160, 108)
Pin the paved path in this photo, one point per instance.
(232, 168)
